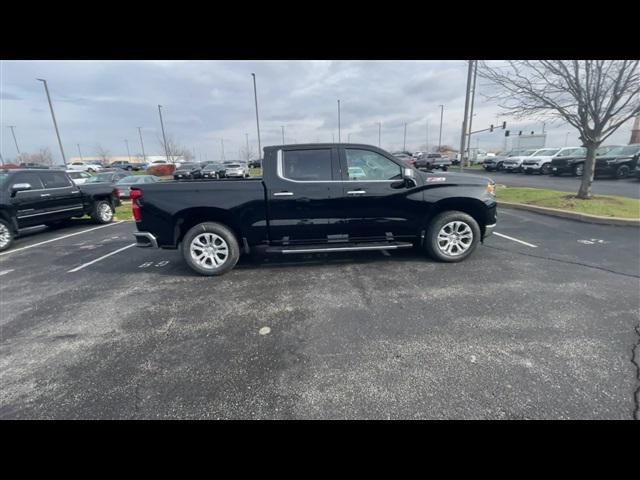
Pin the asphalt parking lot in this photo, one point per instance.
(541, 322)
(626, 187)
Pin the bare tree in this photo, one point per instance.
(41, 157)
(594, 96)
(174, 150)
(103, 153)
(247, 154)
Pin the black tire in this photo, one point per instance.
(218, 230)
(622, 171)
(102, 212)
(6, 235)
(437, 224)
(545, 169)
(500, 167)
(527, 172)
(578, 170)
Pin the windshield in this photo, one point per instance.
(131, 179)
(624, 151)
(3, 176)
(101, 177)
(544, 152)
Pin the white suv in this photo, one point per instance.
(514, 164)
(541, 160)
(85, 167)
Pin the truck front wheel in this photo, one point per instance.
(452, 236)
(210, 248)
(6, 235)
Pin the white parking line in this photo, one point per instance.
(515, 240)
(101, 258)
(4, 272)
(60, 238)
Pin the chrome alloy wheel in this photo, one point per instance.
(455, 238)
(209, 250)
(5, 235)
(105, 212)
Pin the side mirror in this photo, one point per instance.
(20, 187)
(408, 177)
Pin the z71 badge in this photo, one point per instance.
(436, 179)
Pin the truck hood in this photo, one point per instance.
(453, 178)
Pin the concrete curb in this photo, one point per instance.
(580, 217)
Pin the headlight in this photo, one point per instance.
(491, 188)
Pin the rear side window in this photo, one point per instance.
(54, 179)
(307, 165)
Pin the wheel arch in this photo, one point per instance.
(477, 209)
(190, 217)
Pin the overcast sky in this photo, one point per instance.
(102, 103)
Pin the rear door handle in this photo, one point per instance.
(356, 192)
(45, 194)
(283, 194)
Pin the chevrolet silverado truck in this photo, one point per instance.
(317, 198)
(36, 197)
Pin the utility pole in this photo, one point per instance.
(404, 142)
(379, 133)
(1, 159)
(255, 95)
(282, 127)
(473, 98)
(144, 157)
(164, 137)
(440, 137)
(247, 137)
(463, 136)
(222, 143)
(55, 124)
(566, 139)
(333, 137)
(80, 153)
(427, 138)
(14, 138)
(338, 121)
(128, 153)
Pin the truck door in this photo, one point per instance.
(28, 204)
(303, 195)
(64, 199)
(374, 207)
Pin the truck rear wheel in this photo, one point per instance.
(452, 236)
(6, 235)
(102, 212)
(210, 248)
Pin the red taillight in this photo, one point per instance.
(135, 207)
(116, 192)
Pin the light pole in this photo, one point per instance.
(440, 137)
(282, 127)
(128, 153)
(255, 94)
(379, 133)
(14, 138)
(164, 137)
(222, 144)
(338, 121)
(53, 116)
(247, 137)
(427, 138)
(404, 142)
(473, 97)
(144, 157)
(566, 138)
(80, 153)
(463, 136)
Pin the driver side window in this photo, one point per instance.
(365, 165)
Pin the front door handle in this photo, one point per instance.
(45, 194)
(283, 194)
(356, 192)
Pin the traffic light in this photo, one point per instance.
(520, 132)
(504, 125)
(491, 128)
(506, 134)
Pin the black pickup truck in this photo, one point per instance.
(36, 197)
(317, 198)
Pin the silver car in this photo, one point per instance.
(236, 170)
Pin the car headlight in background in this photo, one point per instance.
(491, 188)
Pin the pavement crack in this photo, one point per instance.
(569, 262)
(635, 359)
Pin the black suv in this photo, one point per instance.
(187, 171)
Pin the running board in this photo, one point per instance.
(347, 247)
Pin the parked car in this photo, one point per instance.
(187, 171)
(111, 176)
(406, 158)
(514, 163)
(255, 163)
(213, 170)
(30, 197)
(433, 160)
(495, 163)
(390, 207)
(32, 165)
(636, 171)
(78, 177)
(574, 165)
(126, 183)
(236, 170)
(124, 165)
(540, 161)
(619, 162)
(85, 167)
